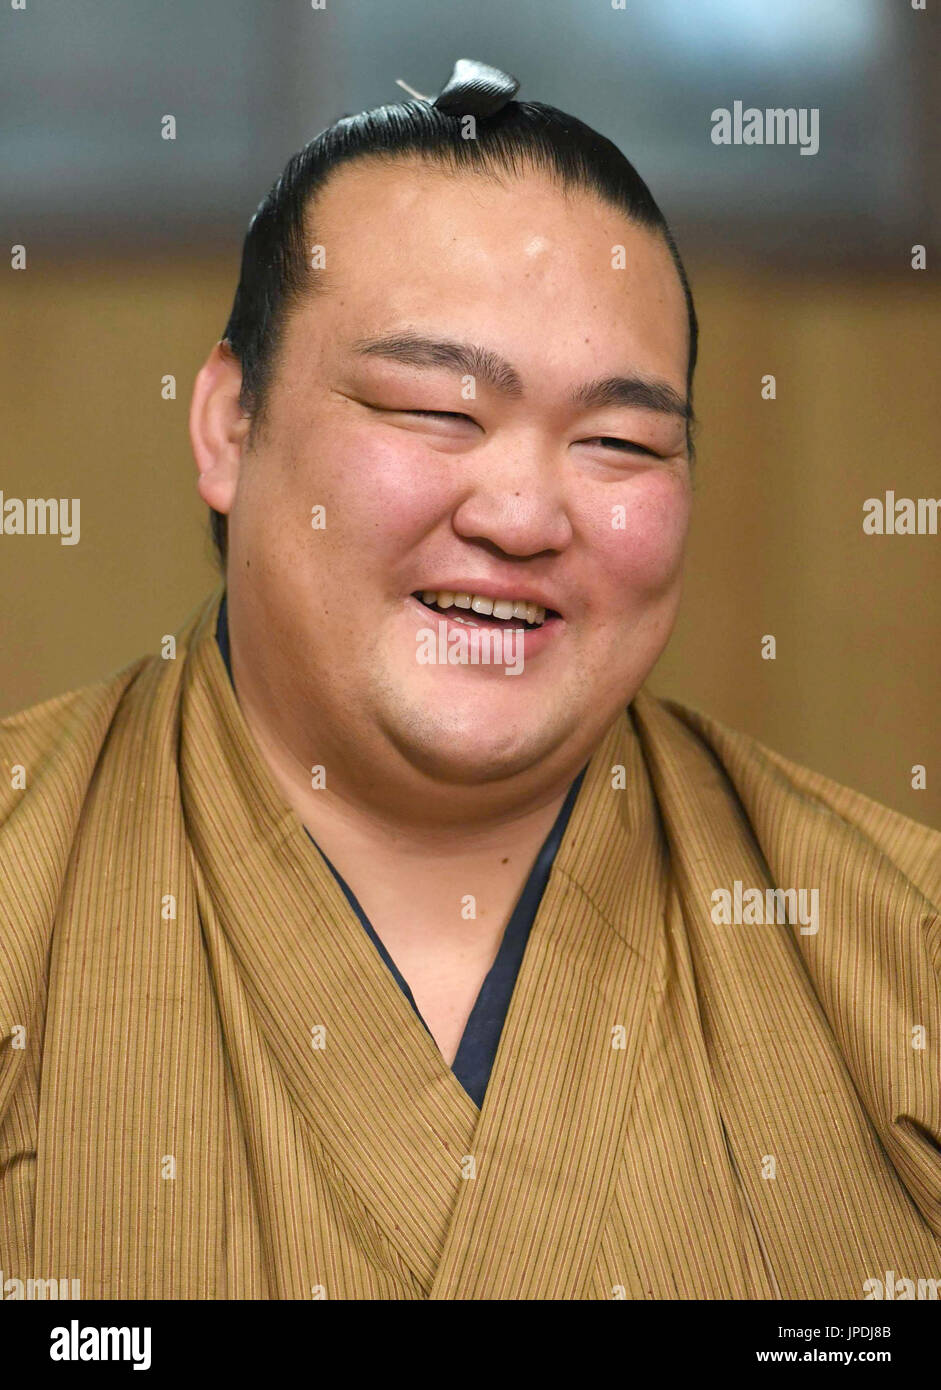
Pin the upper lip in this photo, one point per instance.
(495, 588)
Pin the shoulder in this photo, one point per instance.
(57, 742)
(49, 752)
(48, 757)
(781, 795)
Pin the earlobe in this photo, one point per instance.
(218, 427)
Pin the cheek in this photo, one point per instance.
(380, 491)
(395, 488)
(638, 533)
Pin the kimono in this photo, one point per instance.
(211, 1085)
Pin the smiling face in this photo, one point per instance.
(484, 407)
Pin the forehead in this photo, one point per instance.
(507, 260)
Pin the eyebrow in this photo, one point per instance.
(469, 359)
(636, 391)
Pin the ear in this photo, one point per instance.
(218, 427)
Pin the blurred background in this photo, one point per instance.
(801, 268)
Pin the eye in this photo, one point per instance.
(438, 414)
(623, 446)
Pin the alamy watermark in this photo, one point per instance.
(759, 906)
(895, 1287)
(77, 1343)
(54, 1288)
(901, 516)
(472, 646)
(41, 516)
(775, 125)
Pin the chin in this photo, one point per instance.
(465, 750)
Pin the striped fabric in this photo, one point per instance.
(212, 1087)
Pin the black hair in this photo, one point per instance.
(515, 139)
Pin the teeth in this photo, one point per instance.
(532, 613)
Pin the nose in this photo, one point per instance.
(516, 501)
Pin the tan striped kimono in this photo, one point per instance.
(212, 1087)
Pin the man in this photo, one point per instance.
(337, 963)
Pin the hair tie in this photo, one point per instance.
(473, 89)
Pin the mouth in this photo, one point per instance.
(482, 610)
